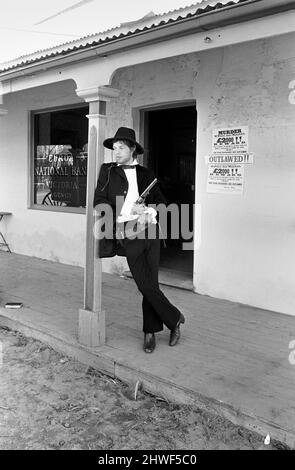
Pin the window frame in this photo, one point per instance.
(31, 154)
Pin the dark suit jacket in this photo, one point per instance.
(112, 182)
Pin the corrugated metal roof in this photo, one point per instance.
(148, 22)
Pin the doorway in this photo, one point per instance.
(170, 142)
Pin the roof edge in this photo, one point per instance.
(227, 14)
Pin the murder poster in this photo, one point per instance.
(232, 140)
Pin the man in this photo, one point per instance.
(118, 188)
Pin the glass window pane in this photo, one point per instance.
(60, 157)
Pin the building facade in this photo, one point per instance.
(215, 112)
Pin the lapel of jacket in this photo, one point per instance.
(140, 178)
(120, 172)
(139, 174)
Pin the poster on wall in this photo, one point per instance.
(246, 158)
(232, 140)
(225, 179)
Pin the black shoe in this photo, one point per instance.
(175, 334)
(149, 342)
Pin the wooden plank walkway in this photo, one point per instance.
(232, 359)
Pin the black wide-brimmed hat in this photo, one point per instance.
(124, 133)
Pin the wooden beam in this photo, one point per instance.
(92, 318)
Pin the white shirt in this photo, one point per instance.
(132, 195)
(131, 198)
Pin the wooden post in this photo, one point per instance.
(92, 318)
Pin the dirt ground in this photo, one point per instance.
(48, 401)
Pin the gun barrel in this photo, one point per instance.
(146, 191)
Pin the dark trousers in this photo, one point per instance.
(143, 256)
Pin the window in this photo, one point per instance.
(60, 157)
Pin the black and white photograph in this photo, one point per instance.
(147, 229)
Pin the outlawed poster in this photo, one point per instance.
(230, 158)
(225, 179)
(231, 140)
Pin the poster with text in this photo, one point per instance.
(225, 179)
(233, 140)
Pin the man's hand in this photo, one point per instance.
(146, 214)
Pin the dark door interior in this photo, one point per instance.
(171, 153)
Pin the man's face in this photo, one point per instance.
(123, 154)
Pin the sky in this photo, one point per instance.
(27, 26)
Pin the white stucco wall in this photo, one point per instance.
(247, 241)
(44, 234)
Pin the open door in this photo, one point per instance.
(170, 141)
